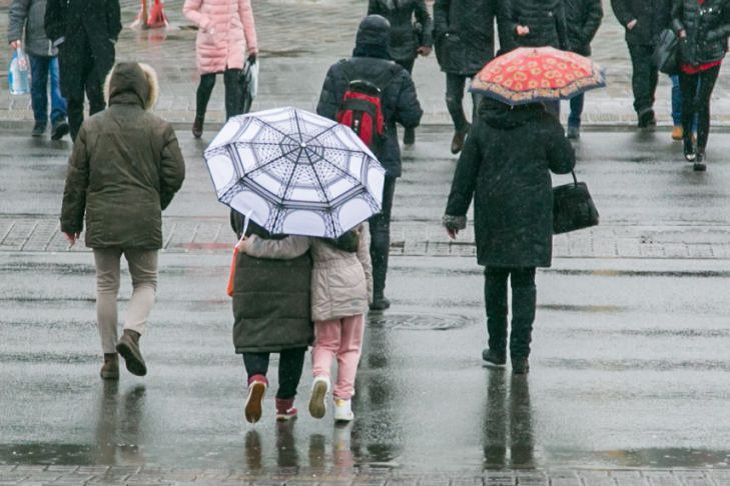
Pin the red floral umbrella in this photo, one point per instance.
(530, 74)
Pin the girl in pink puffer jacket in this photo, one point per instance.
(226, 36)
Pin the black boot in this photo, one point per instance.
(523, 315)
(198, 126)
(495, 298)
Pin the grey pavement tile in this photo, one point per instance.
(661, 478)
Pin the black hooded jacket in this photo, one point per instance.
(505, 167)
(369, 62)
(707, 27)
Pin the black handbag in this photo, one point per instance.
(573, 208)
(666, 52)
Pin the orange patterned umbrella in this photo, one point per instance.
(530, 74)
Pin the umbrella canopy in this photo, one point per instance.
(295, 172)
(530, 74)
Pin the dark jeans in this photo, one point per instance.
(696, 92)
(522, 281)
(644, 77)
(83, 70)
(43, 67)
(576, 110)
(454, 101)
(380, 237)
(291, 362)
(233, 97)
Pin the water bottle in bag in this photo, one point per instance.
(19, 73)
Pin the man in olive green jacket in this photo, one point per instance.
(125, 168)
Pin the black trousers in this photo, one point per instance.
(83, 74)
(380, 237)
(455, 84)
(233, 97)
(291, 362)
(522, 281)
(644, 77)
(696, 93)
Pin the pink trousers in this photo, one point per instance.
(341, 338)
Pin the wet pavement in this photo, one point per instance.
(629, 368)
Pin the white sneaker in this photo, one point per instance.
(343, 410)
(317, 404)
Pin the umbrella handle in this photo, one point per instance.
(246, 219)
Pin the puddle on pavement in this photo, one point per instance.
(417, 322)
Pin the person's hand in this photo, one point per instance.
(452, 232)
(631, 24)
(15, 44)
(71, 238)
(243, 244)
(424, 51)
(252, 57)
(522, 30)
(682, 34)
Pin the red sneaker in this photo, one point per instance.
(257, 386)
(285, 409)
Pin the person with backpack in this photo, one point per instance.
(371, 93)
(408, 40)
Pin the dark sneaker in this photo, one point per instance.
(253, 409)
(520, 366)
(59, 129)
(128, 347)
(379, 303)
(494, 358)
(457, 143)
(198, 126)
(573, 132)
(38, 130)
(647, 120)
(110, 369)
(699, 165)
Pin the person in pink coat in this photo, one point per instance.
(226, 36)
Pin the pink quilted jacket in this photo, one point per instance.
(226, 35)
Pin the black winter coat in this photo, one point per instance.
(545, 18)
(505, 167)
(707, 27)
(97, 22)
(399, 101)
(404, 39)
(583, 17)
(652, 16)
(271, 299)
(464, 33)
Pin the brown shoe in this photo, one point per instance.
(110, 369)
(198, 126)
(128, 347)
(677, 132)
(457, 143)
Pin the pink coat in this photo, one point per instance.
(226, 35)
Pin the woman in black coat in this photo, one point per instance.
(505, 167)
(703, 27)
(406, 40)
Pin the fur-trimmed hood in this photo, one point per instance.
(132, 83)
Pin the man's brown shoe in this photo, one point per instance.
(457, 143)
(128, 347)
(110, 369)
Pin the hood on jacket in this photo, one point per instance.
(373, 37)
(132, 83)
(503, 116)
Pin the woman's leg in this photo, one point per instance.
(688, 88)
(202, 95)
(107, 287)
(348, 356)
(291, 362)
(524, 299)
(326, 344)
(704, 93)
(257, 364)
(234, 92)
(143, 269)
(495, 300)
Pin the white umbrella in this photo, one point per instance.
(295, 172)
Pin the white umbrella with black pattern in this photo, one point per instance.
(295, 172)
